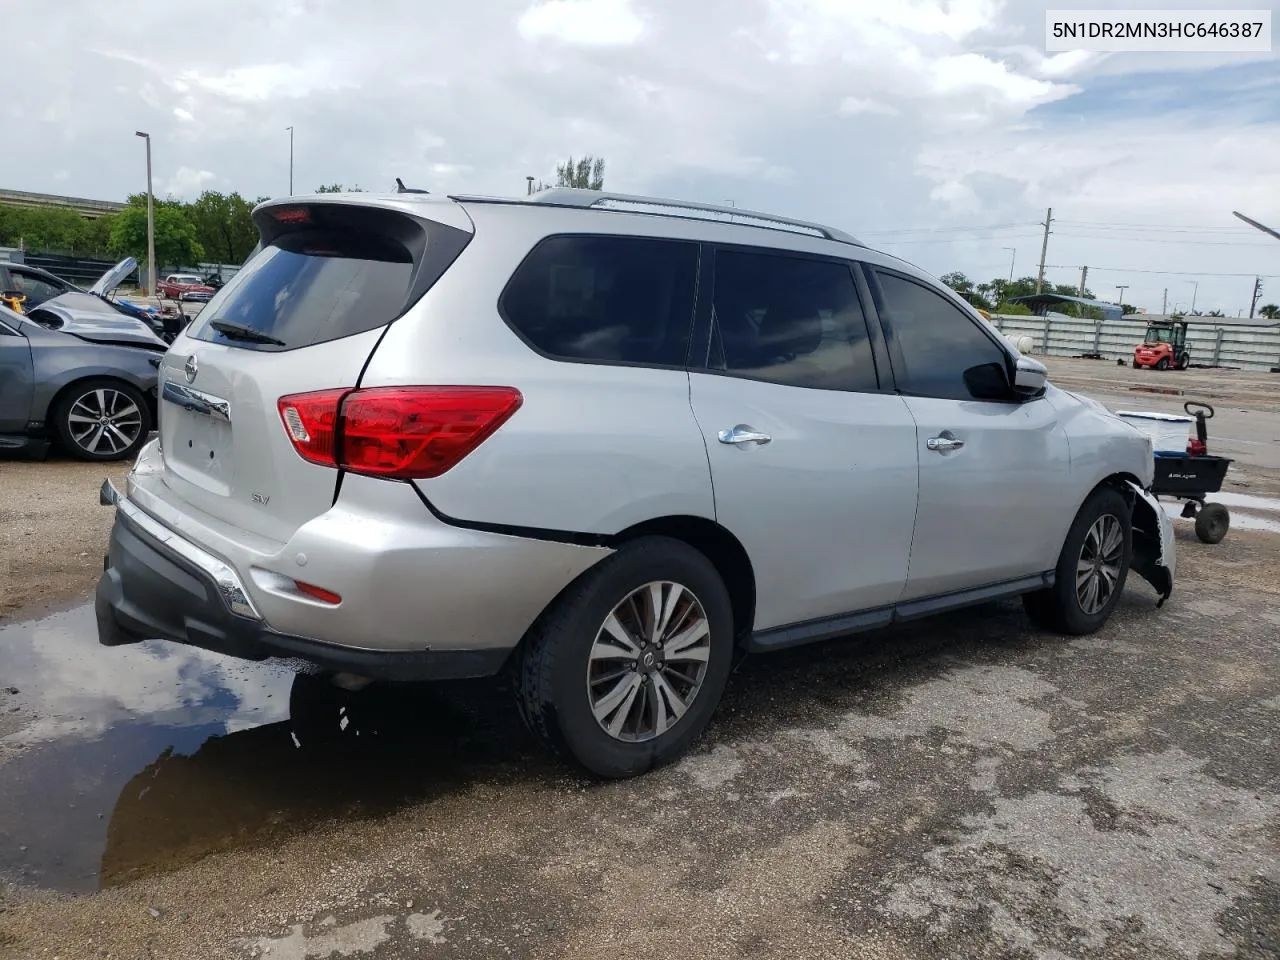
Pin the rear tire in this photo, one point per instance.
(102, 419)
(621, 704)
(1136, 365)
(1162, 363)
(1212, 523)
(1098, 550)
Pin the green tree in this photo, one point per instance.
(957, 281)
(1271, 311)
(224, 226)
(176, 241)
(1215, 313)
(338, 188)
(585, 174)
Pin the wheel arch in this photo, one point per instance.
(717, 544)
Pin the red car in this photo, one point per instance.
(185, 286)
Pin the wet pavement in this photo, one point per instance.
(136, 759)
(965, 787)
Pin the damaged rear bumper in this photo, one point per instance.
(1154, 554)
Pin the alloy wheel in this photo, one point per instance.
(1098, 567)
(648, 661)
(104, 421)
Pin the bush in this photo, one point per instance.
(1014, 309)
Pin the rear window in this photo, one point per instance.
(311, 286)
(626, 300)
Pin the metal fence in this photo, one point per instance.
(85, 271)
(1212, 344)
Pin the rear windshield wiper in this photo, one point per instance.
(238, 331)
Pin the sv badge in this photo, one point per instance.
(259, 498)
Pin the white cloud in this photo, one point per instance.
(850, 106)
(972, 72)
(868, 115)
(266, 81)
(187, 183)
(183, 114)
(593, 23)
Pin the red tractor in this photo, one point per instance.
(1164, 346)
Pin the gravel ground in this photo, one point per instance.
(52, 531)
(963, 788)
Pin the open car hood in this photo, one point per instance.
(90, 318)
(114, 277)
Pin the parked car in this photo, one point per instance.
(185, 286)
(33, 284)
(603, 442)
(77, 371)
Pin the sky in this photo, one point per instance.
(937, 130)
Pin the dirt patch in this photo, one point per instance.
(53, 532)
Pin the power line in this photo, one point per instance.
(1198, 243)
(1011, 236)
(1110, 228)
(1163, 273)
(993, 226)
(1153, 226)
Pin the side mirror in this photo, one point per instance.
(987, 381)
(1030, 378)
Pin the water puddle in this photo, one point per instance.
(118, 762)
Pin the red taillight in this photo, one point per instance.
(311, 420)
(401, 432)
(317, 593)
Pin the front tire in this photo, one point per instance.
(102, 419)
(1091, 571)
(624, 671)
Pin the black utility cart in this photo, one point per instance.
(1192, 476)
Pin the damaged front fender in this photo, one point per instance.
(1154, 554)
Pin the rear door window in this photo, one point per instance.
(624, 300)
(791, 320)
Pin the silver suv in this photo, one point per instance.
(606, 443)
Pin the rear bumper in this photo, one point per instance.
(161, 589)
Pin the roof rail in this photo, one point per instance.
(596, 199)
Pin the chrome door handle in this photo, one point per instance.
(943, 444)
(743, 434)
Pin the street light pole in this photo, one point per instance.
(151, 221)
(1195, 285)
(1121, 288)
(1013, 254)
(290, 129)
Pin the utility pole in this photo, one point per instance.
(529, 191)
(1164, 303)
(1084, 275)
(1044, 250)
(151, 221)
(1013, 255)
(1120, 289)
(1257, 295)
(290, 129)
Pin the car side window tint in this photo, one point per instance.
(605, 299)
(790, 320)
(36, 288)
(936, 341)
